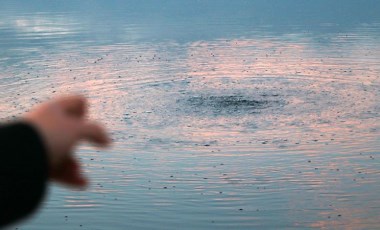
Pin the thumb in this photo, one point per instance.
(69, 173)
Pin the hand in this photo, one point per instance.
(62, 124)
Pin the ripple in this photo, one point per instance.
(221, 105)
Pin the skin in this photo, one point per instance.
(62, 124)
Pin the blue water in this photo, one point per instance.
(224, 114)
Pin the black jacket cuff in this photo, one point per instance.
(23, 171)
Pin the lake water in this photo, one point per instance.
(224, 114)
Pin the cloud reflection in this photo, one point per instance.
(43, 26)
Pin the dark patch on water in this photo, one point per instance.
(230, 104)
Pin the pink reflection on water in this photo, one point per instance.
(329, 93)
(328, 107)
(271, 58)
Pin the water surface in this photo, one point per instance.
(224, 115)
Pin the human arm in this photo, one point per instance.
(41, 147)
(23, 171)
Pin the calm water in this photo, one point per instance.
(224, 114)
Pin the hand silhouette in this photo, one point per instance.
(62, 123)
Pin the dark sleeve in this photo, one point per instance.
(23, 171)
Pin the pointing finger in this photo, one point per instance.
(95, 133)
